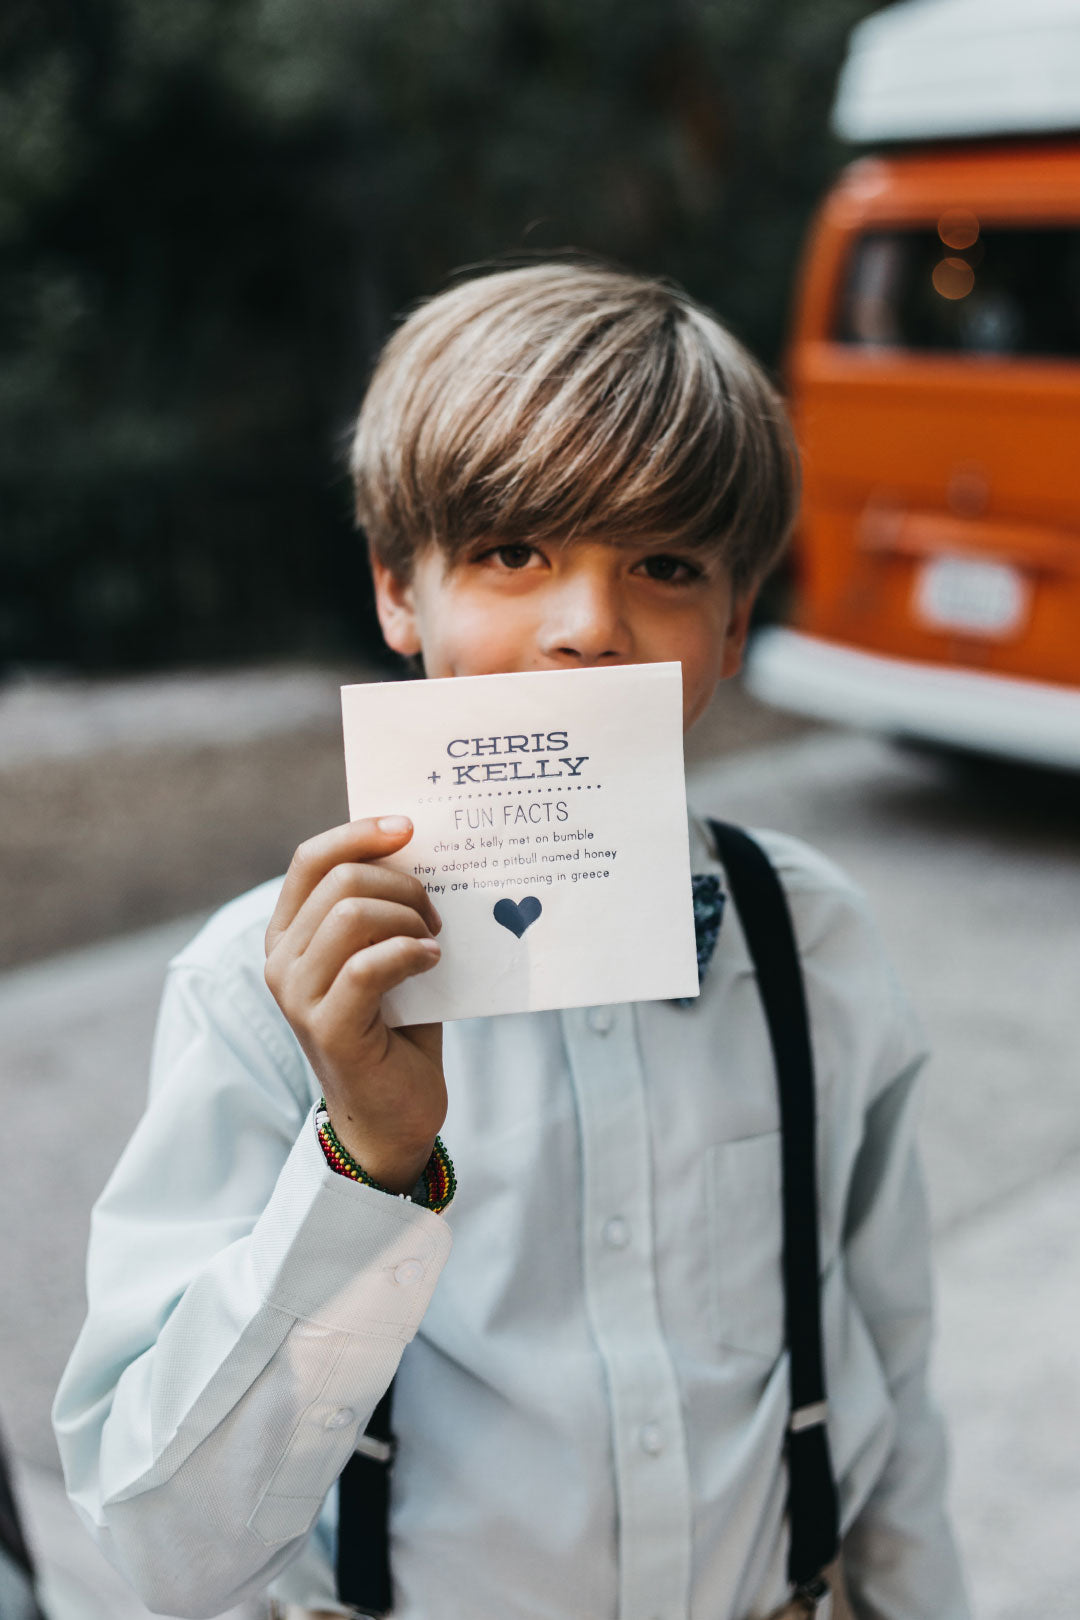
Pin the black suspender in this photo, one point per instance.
(17, 1574)
(762, 906)
(363, 1557)
(363, 1543)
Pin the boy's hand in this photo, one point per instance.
(344, 932)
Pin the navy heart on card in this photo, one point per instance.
(517, 915)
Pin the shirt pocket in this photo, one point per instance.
(745, 1230)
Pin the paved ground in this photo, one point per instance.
(977, 885)
(128, 802)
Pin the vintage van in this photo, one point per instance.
(934, 374)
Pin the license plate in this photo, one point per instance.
(973, 595)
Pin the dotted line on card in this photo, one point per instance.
(508, 793)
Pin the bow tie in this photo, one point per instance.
(709, 900)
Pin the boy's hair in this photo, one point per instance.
(563, 401)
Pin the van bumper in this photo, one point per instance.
(988, 714)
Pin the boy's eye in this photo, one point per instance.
(670, 570)
(515, 556)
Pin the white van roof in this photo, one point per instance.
(927, 68)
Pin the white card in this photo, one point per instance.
(550, 831)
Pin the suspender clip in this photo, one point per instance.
(808, 1417)
(380, 1451)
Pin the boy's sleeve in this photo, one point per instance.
(900, 1561)
(246, 1309)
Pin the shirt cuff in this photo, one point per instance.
(329, 1250)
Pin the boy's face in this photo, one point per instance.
(578, 604)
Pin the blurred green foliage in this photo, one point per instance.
(211, 210)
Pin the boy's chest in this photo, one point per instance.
(611, 1157)
(677, 1072)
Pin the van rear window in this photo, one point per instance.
(997, 290)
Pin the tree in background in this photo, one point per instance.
(211, 210)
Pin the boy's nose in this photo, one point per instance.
(585, 623)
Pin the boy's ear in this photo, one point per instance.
(395, 606)
(738, 628)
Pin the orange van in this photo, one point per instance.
(934, 375)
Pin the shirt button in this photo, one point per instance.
(341, 1418)
(600, 1020)
(408, 1272)
(616, 1233)
(650, 1439)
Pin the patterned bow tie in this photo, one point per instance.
(709, 900)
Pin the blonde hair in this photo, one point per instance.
(563, 401)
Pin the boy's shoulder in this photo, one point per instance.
(855, 994)
(805, 873)
(827, 906)
(234, 934)
(830, 913)
(804, 869)
(216, 992)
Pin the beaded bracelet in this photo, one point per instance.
(435, 1186)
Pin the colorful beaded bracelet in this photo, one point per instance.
(435, 1186)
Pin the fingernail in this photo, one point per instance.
(394, 824)
(432, 946)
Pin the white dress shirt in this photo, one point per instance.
(591, 1403)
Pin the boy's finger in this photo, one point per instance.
(353, 924)
(365, 978)
(365, 840)
(351, 880)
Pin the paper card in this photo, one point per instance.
(550, 831)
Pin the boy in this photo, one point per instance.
(556, 467)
